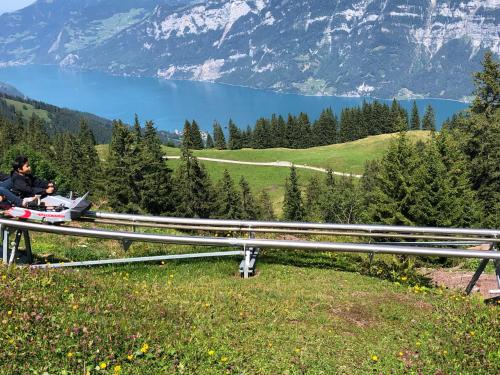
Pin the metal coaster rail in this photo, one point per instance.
(362, 230)
(250, 247)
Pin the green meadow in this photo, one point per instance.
(300, 314)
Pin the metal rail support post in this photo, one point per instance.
(480, 270)
(10, 257)
(5, 245)
(247, 265)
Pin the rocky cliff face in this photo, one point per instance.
(344, 47)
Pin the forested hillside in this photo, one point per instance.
(60, 120)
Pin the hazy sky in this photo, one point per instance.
(11, 5)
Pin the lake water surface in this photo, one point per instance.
(169, 103)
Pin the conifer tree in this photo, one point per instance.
(196, 138)
(265, 207)
(137, 128)
(343, 202)
(88, 167)
(210, 141)
(391, 197)
(193, 190)
(487, 86)
(219, 138)
(228, 201)
(429, 120)
(187, 137)
(315, 191)
(36, 136)
(121, 179)
(156, 186)
(293, 208)
(249, 209)
(234, 142)
(415, 117)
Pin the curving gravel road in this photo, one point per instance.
(270, 164)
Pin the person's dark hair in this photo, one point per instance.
(19, 162)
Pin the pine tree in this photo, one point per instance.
(391, 197)
(293, 208)
(415, 117)
(193, 190)
(156, 185)
(88, 168)
(265, 207)
(219, 139)
(429, 120)
(210, 142)
(228, 201)
(234, 142)
(196, 138)
(487, 86)
(137, 128)
(36, 136)
(248, 205)
(121, 179)
(343, 202)
(315, 191)
(187, 137)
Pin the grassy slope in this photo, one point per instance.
(347, 157)
(199, 317)
(28, 112)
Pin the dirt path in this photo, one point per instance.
(286, 164)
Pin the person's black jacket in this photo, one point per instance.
(27, 185)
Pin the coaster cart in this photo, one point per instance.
(51, 209)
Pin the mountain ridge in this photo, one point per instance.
(354, 48)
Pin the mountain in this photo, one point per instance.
(366, 47)
(7, 89)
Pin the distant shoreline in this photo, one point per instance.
(82, 69)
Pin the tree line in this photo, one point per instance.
(299, 132)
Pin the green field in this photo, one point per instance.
(200, 317)
(347, 157)
(27, 110)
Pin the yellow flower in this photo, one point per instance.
(374, 358)
(211, 352)
(297, 350)
(4, 277)
(130, 357)
(75, 307)
(144, 348)
(70, 354)
(224, 359)
(472, 333)
(445, 352)
(117, 369)
(9, 312)
(207, 305)
(404, 278)
(103, 365)
(171, 276)
(401, 354)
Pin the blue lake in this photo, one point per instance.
(170, 103)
